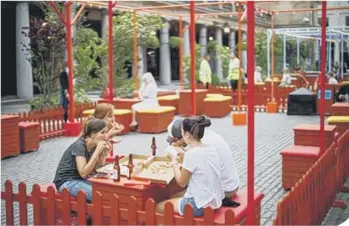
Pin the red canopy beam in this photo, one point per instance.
(322, 77)
(250, 111)
(57, 11)
(181, 52)
(78, 14)
(240, 55)
(193, 56)
(310, 9)
(110, 50)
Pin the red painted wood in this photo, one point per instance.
(188, 215)
(66, 207)
(229, 217)
(36, 204)
(169, 214)
(132, 211)
(98, 210)
(208, 216)
(51, 206)
(81, 208)
(150, 212)
(22, 201)
(115, 217)
(9, 202)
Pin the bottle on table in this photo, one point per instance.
(116, 170)
(130, 166)
(153, 146)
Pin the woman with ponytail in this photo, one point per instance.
(81, 158)
(200, 171)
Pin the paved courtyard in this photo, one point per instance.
(273, 133)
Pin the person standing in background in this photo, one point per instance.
(64, 100)
(233, 73)
(205, 71)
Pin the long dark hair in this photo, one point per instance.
(92, 125)
(196, 126)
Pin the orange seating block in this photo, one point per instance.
(340, 109)
(169, 100)
(155, 120)
(185, 106)
(241, 211)
(218, 106)
(341, 123)
(124, 103)
(122, 116)
(296, 161)
(9, 136)
(29, 136)
(308, 135)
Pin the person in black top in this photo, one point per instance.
(85, 155)
(63, 79)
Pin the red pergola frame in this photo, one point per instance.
(250, 71)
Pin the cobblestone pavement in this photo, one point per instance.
(273, 133)
(337, 216)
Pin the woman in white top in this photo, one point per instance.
(200, 171)
(148, 96)
(257, 76)
(286, 77)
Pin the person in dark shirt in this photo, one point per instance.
(85, 155)
(63, 79)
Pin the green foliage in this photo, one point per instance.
(147, 25)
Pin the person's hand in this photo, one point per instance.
(117, 128)
(102, 146)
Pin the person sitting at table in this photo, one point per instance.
(301, 74)
(229, 174)
(330, 80)
(200, 171)
(81, 158)
(148, 96)
(286, 78)
(105, 112)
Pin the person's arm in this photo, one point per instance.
(115, 130)
(84, 167)
(182, 176)
(102, 158)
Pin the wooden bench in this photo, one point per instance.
(122, 116)
(296, 161)
(217, 106)
(155, 120)
(341, 122)
(169, 100)
(308, 135)
(29, 136)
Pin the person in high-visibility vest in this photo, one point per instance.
(233, 73)
(205, 71)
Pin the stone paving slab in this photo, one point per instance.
(273, 133)
(337, 216)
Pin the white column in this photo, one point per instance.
(24, 68)
(104, 24)
(298, 50)
(244, 53)
(232, 41)
(337, 52)
(219, 39)
(342, 56)
(165, 63)
(203, 40)
(144, 56)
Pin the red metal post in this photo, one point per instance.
(110, 50)
(70, 60)
(193, 56)
(322, 77)
(250, 111)
(181, 52)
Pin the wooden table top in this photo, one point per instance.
(123, 183)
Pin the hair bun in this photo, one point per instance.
(207, 123)
(204, 121)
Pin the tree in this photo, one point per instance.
(147, 27)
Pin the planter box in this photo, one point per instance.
(29, 136)
(169, 100)
(340, 109)
(308, 135)
(155, 120)
(296, 161)
(9, 136)
(185, 106)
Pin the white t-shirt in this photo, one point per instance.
(205, 184)
(332, 81)
(229, 174)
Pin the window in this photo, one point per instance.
(320, 19)
(347, 21)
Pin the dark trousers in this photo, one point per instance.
(234, 84)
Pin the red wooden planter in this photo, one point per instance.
(217, 107)
(296, 161)
(121, 103)
(185, 106)
(169, 100)
(29, 136)
(155, 121)
(308, 135)
(340, 109)
(341, 123)
(9, 136)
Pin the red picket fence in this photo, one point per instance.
(52, 210)
(51, 119)
(310, 199)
